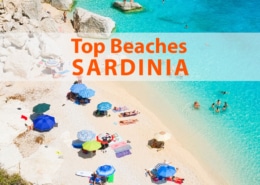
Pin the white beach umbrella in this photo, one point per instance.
(162, 136)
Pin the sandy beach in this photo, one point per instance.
(55, 161)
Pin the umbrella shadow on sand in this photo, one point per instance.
(35, 115)
(99, 113)
(86, 155)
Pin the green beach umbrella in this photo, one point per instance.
(91, 145)
(41, 108)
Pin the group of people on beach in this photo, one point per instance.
(97, 180)
(74, 97)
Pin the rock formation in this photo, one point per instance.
(128, 6)
(89, 24)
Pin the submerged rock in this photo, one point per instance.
(128, 6)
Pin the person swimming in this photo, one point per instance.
(196, 105)
(217, 110)
(213, 105)
(223, 92)
(218, 102)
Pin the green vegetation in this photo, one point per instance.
(15, 179)
(74, 4)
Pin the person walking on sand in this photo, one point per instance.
(64, 16)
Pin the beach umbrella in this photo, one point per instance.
(104, 138)
(103, 106)
(86, 135)
(162, 136)
(52, 63)
(41, 108)
(91, 145)
(165, 170)
(43, 123)
(87, 93)
(105, 170)
(76, 88)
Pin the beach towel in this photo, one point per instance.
(122, 154)
(177, 181)
(118, 144)
(24, 117)
(119, 109)
(128, 122)
(122, 148)
(117, 139)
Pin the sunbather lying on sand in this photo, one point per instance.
(119, 109)
(153, 176)
(130, 113)
(126, 122)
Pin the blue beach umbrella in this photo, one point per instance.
(166, 170)
(104, 106)
(76, 88)
(86, 135)
(52, 63)
(105, 170)
(43, 123)
(87, 93)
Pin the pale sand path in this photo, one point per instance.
(72, 118)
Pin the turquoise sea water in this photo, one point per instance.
(173, 15)
(227, 142)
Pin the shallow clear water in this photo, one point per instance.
(174, 15)
(227, 142)
(231, 137)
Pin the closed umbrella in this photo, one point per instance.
(86, 135)
(104, 106)
(76, 88)
(41, 108)
(86, 93)
(105, 170)
(162, 136)
(91, 145)
(43, 123)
